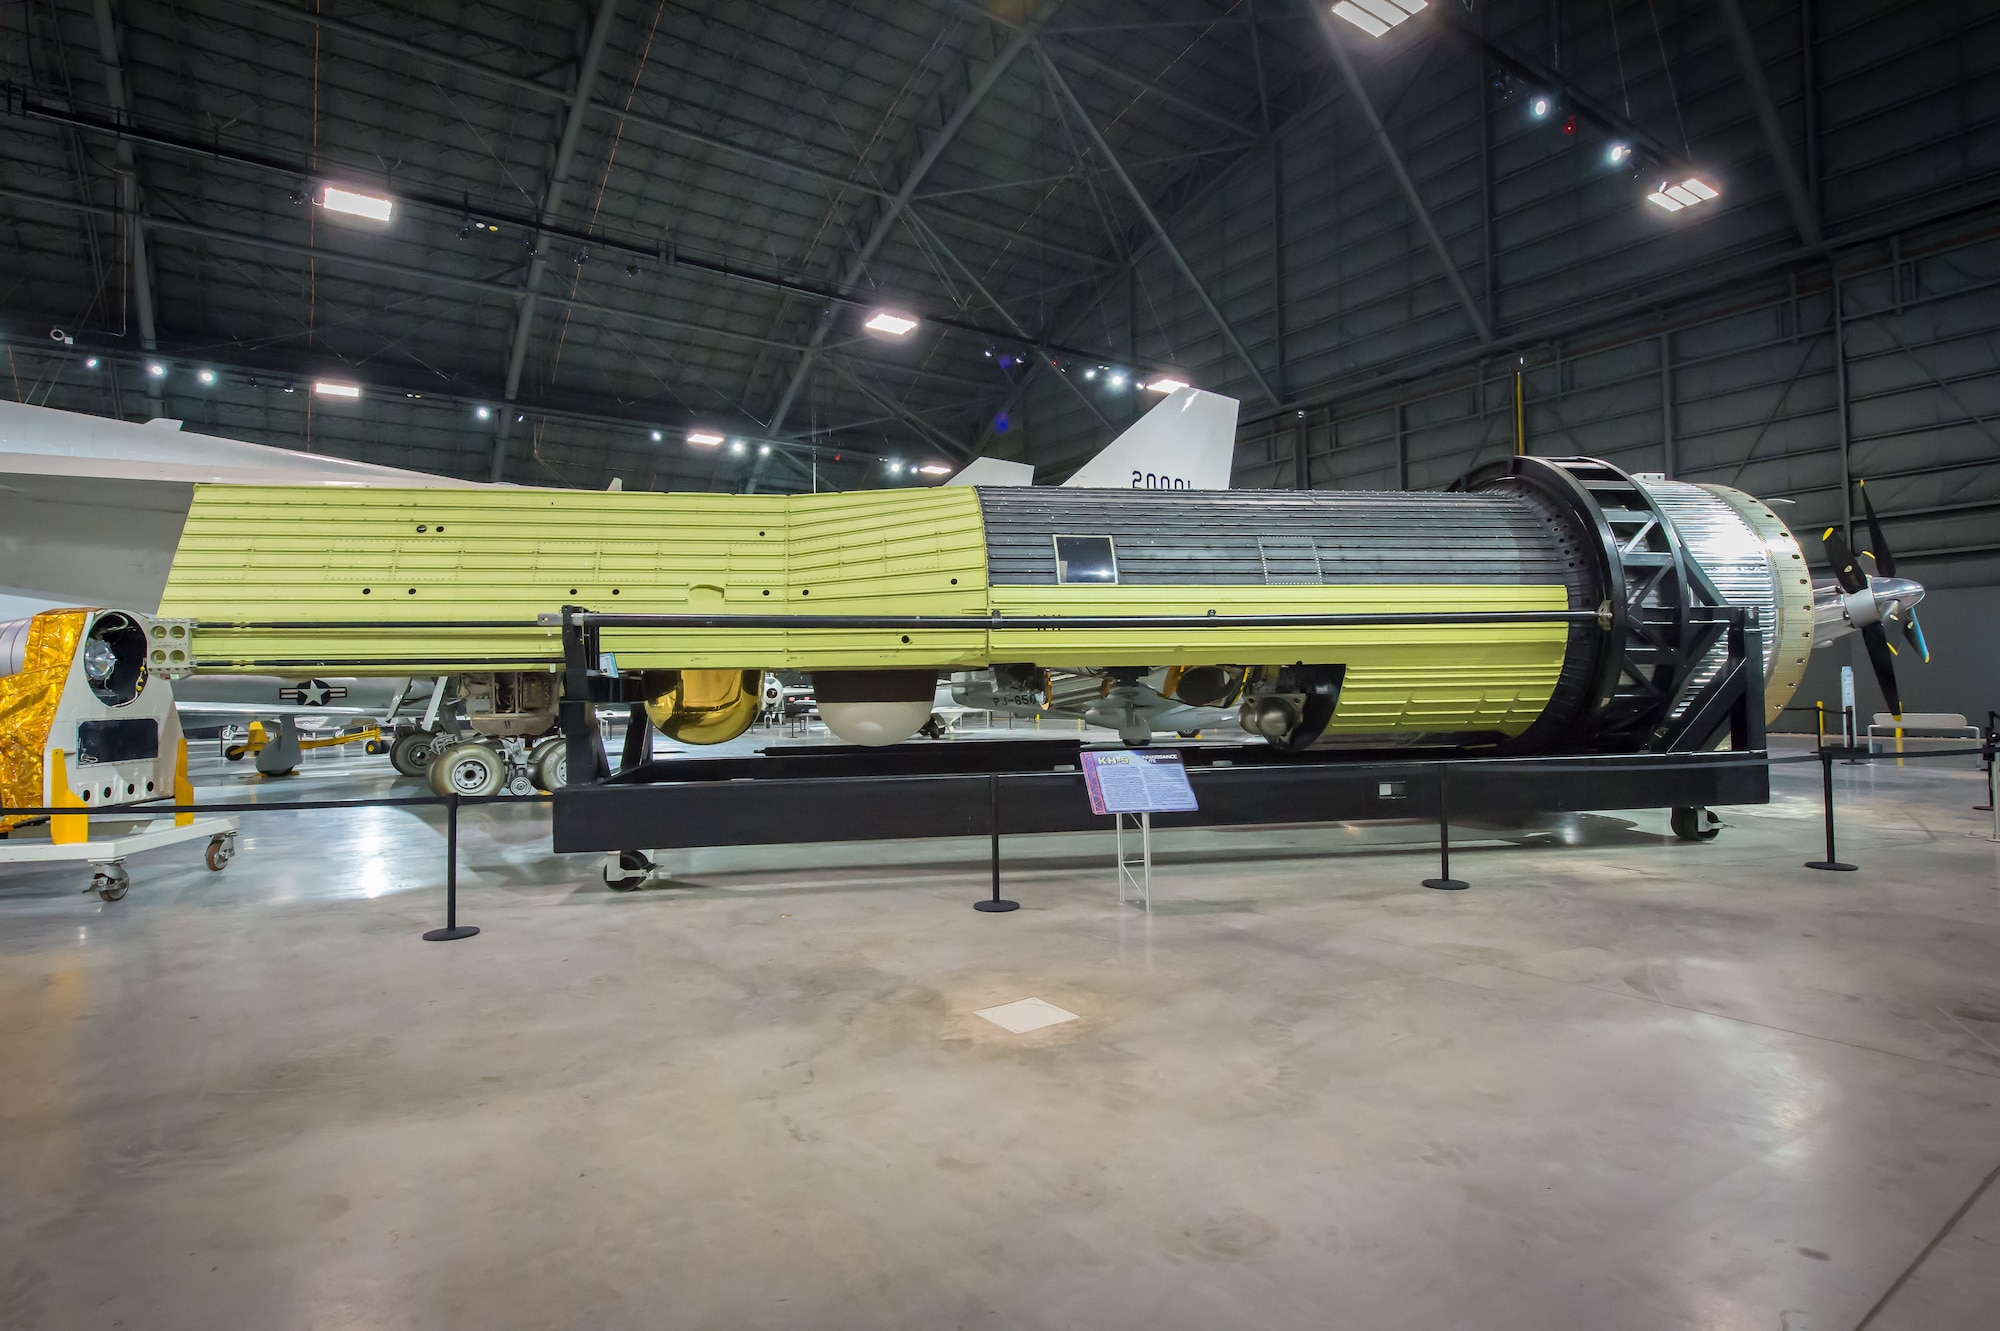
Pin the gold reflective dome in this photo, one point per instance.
(707, 706)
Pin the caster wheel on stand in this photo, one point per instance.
(110, 882)
(626, 871)
(1692, 824)
(221, 850)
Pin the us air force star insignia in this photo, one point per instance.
(312, 693)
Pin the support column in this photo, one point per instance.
(141, 273)
(1836, 292)
(1669, 464)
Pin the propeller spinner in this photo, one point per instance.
(1869, 602)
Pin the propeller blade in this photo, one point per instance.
(1883, 657)
(1885, 563)
(1845, 571)
(1915, 633)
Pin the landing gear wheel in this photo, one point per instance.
(470, 770)
(626, 871)
(110, 882)
(412, 752)
(221, 850)
(1692, 824)
(518, 784)
(548, 763)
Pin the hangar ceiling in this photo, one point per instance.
(626, 218)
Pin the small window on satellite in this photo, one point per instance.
(1085, 559)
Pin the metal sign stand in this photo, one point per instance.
(1142, 882)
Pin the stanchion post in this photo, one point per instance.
(452, 930)
(996, 902)
(1444, 882)
(1832, 861)
(1986, 746)
(1992, 786)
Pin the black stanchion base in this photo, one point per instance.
(450, 935)
(1447, 884)
(992, 904)
(1833, 866)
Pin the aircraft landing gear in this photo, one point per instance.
(1694, 824)
(548, 764)
(412, 751)
(469, 769)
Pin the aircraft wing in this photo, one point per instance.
(91, 509)
(994, 471)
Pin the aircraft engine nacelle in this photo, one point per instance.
(706, 706)
(874, 707)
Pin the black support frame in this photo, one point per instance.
(799, 794)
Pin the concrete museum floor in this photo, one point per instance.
(1624, 1082)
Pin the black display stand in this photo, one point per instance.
(1832, 863)
(1444, 882)
(996, 903)
(453, 930)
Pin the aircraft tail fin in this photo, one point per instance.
(1187, 442)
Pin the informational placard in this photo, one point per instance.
(1137, 781)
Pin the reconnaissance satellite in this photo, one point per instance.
(1540, 606)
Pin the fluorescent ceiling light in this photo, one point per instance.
(1165, 384)
(1687, 194)
(371, 206)
(705, 438)
(327, 388)
(935, 469)
(895, 325)
(1376, 17)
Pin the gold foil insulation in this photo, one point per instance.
(28, 701)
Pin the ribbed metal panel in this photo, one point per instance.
(1272, 538)
(1733, 556)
